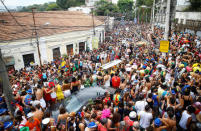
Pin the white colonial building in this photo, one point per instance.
(59, 32)
(182, 21)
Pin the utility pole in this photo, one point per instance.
(167, 20)
(92, 13)
(153, 18)
(7, 91)
(37, 42)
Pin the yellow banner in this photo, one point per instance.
(95, 43)
(164, 46)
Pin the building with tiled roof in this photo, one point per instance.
(59, 32)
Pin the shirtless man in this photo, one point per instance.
(170, 120)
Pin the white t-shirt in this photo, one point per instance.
(145, 119)
(140, 106)
(42, 103)
(184, 119)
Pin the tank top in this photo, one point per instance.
(184, 119)
(150, 103)
(107, 83)
(186, 102)
(44, 76)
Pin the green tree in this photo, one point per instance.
(52, 6)
(65, 4)
(40, 7)
(195, 5)
(144, 2)
(125, 5)
(104, 8)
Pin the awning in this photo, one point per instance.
(111, 64)
(9, 60)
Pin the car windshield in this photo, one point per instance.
(72, 104)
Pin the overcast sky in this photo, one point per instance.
(15, 3)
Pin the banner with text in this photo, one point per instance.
(164, 46)
(95, 43)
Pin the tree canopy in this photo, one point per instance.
(125, 5)
(65, 4)
(40, 7)
(144, 2)
(195, 5)
(52, 6)
(104, 7)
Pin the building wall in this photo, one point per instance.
(19, 48)
(189, 22)
(90, 2)
(182, 4)
(85, 10)
(188, 16)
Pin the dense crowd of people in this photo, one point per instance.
(154, 91)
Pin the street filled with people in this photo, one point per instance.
(154, 91)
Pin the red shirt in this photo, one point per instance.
(116, 81)
(40, 76)
(101, 128)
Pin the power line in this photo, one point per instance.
(12, 15)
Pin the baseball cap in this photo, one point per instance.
(157, 122)
(173, 92)
(92, 125)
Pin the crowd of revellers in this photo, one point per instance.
(154, 91)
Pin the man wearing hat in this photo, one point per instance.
(27, 101)
(33, 123)
(159, 124)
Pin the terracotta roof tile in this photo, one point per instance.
(59, 22)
